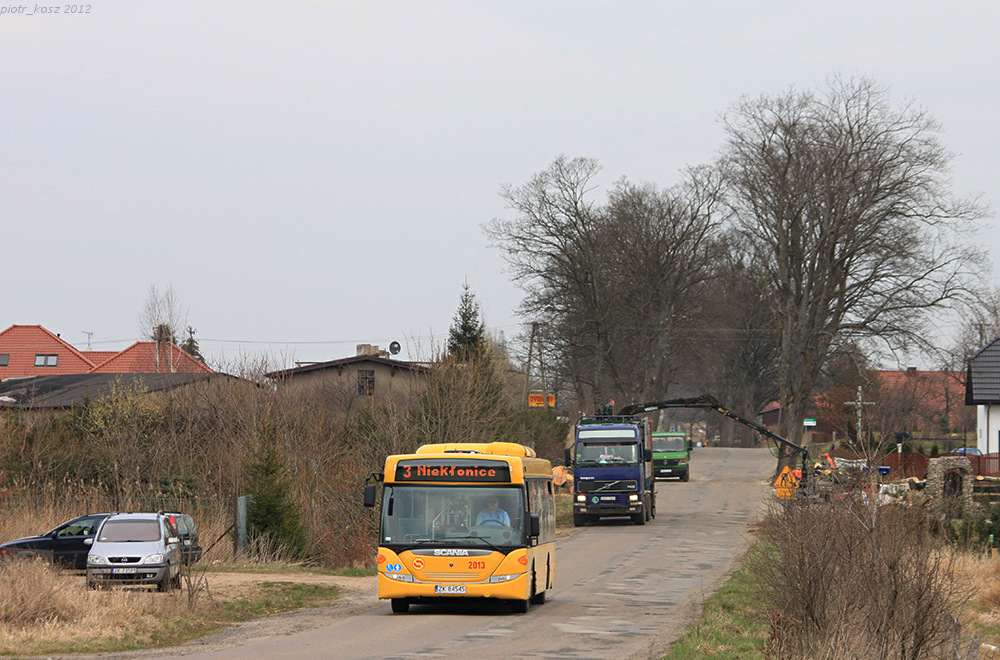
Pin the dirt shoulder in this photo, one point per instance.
(358, 595)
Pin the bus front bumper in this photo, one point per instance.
(514, 589)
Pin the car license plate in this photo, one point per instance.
(449, 588)
(121, 571)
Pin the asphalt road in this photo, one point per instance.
(622, 590)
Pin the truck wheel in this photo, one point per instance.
(687, 475)
(400, 605)
(580, 519)
(639, 518)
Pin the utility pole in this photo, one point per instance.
(541, 366)
(859, 403)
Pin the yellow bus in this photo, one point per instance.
(472, 520)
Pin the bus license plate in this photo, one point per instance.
(449, 588)
(121, 571)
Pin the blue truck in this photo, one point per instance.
(612, 459)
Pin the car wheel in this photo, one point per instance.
(91, 585)
(164, 584)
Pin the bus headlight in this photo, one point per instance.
(505, 578)
(633, 498)
(399, 577)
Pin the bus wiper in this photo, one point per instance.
(478, 538)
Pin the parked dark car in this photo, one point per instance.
(65, 545)
(188, 533)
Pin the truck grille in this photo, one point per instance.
(628, 485)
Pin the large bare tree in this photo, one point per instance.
(845, 200)
(608, 283)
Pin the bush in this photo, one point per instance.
(848, 579)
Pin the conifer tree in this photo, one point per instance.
(467, 336)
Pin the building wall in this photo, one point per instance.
(988, 428)
(392, 385)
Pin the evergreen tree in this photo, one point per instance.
(467, 336)
(190, 345)
(274, 518)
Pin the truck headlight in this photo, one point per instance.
(581, 498)
(633, 498)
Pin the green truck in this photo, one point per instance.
(671, 455)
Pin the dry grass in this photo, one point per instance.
(45, 610)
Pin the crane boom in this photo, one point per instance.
(708, 402)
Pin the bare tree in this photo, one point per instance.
(607, 284)
(162, 320)
(846, 201)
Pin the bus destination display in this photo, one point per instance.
(462, 470)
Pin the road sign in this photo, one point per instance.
(809, 421)
(786, 484)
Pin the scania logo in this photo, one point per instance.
(451, 553)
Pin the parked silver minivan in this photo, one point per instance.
(135, 548)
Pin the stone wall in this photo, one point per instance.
(942, 507)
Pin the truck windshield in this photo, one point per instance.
(487, 516)
(607, 453)
(669, 443)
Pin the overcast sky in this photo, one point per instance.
(309, 176)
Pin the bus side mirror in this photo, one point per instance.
(369, 495)
(534, 524)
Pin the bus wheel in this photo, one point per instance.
(580, 519)
(400, 605)
(519, 606)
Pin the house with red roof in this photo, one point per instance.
(28, 351)
(912, 403)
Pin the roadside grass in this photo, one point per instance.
(564, 510)
(732, 624)
(45, 611)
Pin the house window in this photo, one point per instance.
(366, 382)
(4, 359)
(46, 360)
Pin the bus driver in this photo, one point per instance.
(493, 514)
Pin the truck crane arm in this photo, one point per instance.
(708, 402)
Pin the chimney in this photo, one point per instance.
(911, 371)
(367, 349)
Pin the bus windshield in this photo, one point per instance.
(669, 443)
(487, 516)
